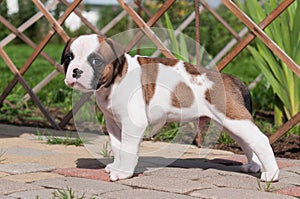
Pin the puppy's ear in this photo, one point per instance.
(63, 55)
(116, 58)
(118, 51)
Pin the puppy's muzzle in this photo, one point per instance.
(75, 75)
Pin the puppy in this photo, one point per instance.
(134, 92)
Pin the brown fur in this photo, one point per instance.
(113, 53)
(148, 78)
(191, 69)
(227, 97)
(182, 96)
(157, 60)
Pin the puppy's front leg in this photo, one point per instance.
(115, 136)
(128, 153)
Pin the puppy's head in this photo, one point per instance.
(91, 62)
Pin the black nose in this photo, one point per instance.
(77, 73)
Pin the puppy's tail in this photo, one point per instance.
(245, 92)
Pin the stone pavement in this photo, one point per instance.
(30, 168)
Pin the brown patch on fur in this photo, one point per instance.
(101, 38)
(122, 72)
(182, 96)
(148, 78)
(191, 69)
(113, 54)
(226, 96)
(157, 60)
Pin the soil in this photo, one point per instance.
(285, 147)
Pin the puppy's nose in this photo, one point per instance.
(70, 82)
(76, 73)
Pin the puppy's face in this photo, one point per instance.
(89, 62)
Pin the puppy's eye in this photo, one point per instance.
(96, 62)
(69, 58)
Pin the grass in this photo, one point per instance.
(67, 193)
(2, 153)
(266, 187)
(65, 141)
(105, 152)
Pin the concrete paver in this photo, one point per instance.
(81, 185)
(28, 172)
(145, 194)
(174, 185)
(21, 151)
(2, 174)
(31, 177)
(25, 168)
(30, 194)
(231, 193)
(7, 187)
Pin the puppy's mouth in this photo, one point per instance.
(79, 86)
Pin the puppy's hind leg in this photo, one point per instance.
(254, 164)
(252, 139)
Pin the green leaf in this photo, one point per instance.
(183, 48)
(172, 35)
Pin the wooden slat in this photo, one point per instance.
(250, 37)
(145, 27)
(37, 50)
(197, 35)
(20, 78)
(285, 128)
(28, 41)
(57, 27)
(257, 30)
(83, 19)
(75, 109)
(221, 20)
(26, 24)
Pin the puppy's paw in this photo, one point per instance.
(250, 168)
(120, 175)
(270, 176)
(110, 167)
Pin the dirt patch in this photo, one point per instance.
(286, 147)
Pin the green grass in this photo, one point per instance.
(68, 193)
(64, 140)
(105, 152)
(2, 153)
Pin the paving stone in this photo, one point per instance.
(177, 173)
(295, 169)
(294, 191)
(30, 194)
(21, 151)
(233, 180)
(175, 185)
(24, 168)
(6, 197)
(144, 193)
(231, 193)
(191, 173)
(31, 177)
(2, 174)
(7, 187)
(284, 163)
(80, 185)
(96, 174)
